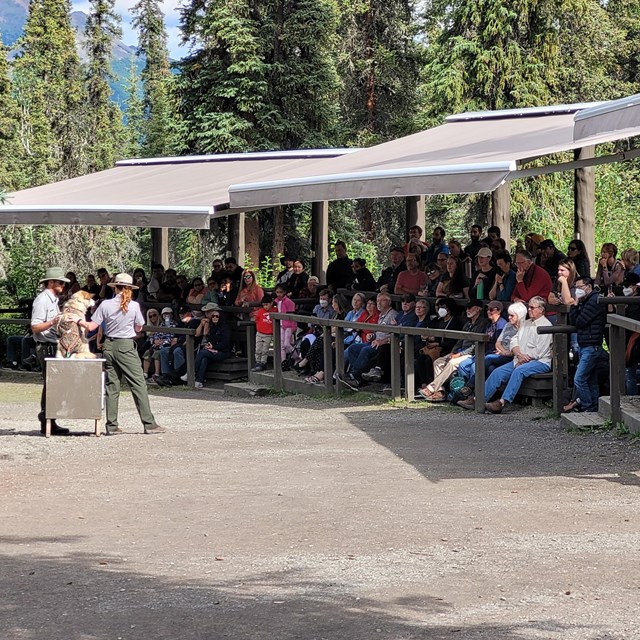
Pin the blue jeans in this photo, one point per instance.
(203, 359)
(359, 357)
(585, 380)
(491, 362)
(513, 376)
(631, 381)
(169, 367)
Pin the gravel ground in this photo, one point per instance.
(293, 518)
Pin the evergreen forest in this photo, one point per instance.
(274, 75)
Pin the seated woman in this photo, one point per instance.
(297, 283)
(453, 284)
(196, 292)
(315, 356)
(150, 343)
(577, 251)
(216, 342)
(211, 292)
(564, 288)
(250, 291)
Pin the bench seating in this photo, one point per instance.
(538, 386)
(228, 370)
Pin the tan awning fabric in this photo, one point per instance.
(164, 192)
(612, 120)
(452, 158)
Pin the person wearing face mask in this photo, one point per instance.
(589, 317)
(447, 366)
(323, 308)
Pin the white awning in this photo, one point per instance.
(154, 192)
(614, 120)
(470, 153)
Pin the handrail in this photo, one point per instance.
(618, 325)
(395, 332)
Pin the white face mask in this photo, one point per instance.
(324, 303)
(627, 291)
(166, 317)
(442, 312)
(580, 293)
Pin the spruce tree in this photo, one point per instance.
(159, 123)
(380, 59)
(105, 129)
(261, 74)
(51, 94)
(11, 153)
(135, 112)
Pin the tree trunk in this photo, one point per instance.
(252, 238)
(278, 234)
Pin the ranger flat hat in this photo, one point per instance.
(54, 273)
(122, 280)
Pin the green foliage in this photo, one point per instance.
(265, 272)
(260, 75)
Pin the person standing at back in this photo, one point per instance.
(44, 315)
(123, 320)
(339, 273)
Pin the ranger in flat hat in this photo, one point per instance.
(123, 319)
(44, 316)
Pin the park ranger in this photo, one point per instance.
(44, 316)
(122, 320)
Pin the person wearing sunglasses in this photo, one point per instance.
(577, 251)
(196, 294)
(250, 290)
(215, 345)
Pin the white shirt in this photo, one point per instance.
(531, 343)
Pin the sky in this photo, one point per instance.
(129, 36)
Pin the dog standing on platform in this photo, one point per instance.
(72, 339)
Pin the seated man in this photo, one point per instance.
(531, 280)
(359, 357)
(532, 355)
(388, 277)
(446, 367)
(497, 323)
(173, 359)
(382, 362)
(412, 279)
(19, 349)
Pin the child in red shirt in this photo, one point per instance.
(264, 332)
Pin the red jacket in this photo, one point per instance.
(264, 323)
(537, 282)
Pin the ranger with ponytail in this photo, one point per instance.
(123, 319)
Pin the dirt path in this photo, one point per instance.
(291, 518)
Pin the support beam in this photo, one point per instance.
(584, 202)
(160, 246)
(235, 237)
(319, 239)
(414, 212)
(501, 211)
(252, 239)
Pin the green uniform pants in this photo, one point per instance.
(122, 359)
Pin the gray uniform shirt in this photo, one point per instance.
(118, 324)
(45, 308)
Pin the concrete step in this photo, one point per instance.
(630, 408)
(245, 390)
(291, 383)
(582, 421)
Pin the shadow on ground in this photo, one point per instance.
(452, 444)
(82, 597)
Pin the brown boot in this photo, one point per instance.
(494, 407)
(469, 403)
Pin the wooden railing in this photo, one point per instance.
(397, 333)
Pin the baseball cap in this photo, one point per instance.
(495, 304)
(485, 252)
(408, 297)
(313, 279)
(631, 279)
(166, 310)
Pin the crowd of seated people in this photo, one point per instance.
(443, 283)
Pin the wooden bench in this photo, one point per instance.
(537, 387)
(228, 370)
